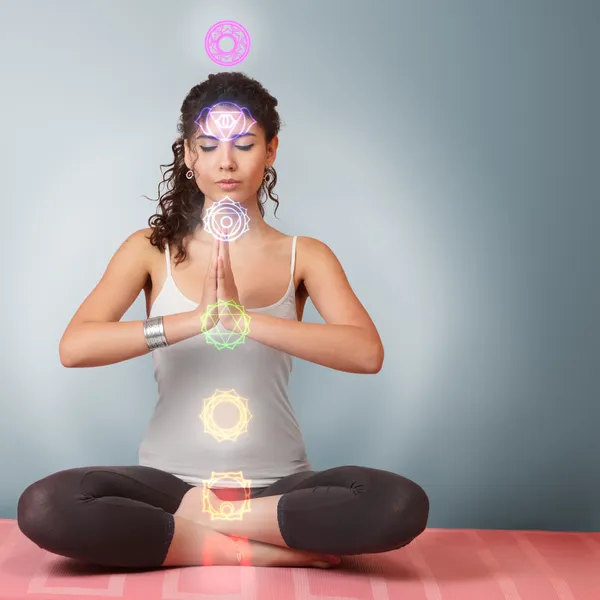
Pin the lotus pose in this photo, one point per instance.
(223, 475)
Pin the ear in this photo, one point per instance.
(186, 154)
(272, 149)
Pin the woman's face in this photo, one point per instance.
(239, 153)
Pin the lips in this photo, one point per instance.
(228, 186)
(228, 181)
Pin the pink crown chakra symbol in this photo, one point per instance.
(221, 123)
(235, 32)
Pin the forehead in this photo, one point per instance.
(225, 121)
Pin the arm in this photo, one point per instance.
(96, 344)
(95, 336)
(347, 341)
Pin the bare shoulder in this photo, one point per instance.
(141, 240)
(310, 244)
(314, 248)
(139, 237)
(143, 235)
(311, 253)
(140, 249)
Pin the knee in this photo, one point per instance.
(36, 515)
(416, 512)
(408, 514)
(32, 509)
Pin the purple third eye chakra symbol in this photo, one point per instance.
(227, 30)
(226, 122)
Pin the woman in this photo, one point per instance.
(204, 492)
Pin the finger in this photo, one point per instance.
(212, 270)
(225, 249)
(220, 279)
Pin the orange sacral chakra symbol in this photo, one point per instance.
(226, 510)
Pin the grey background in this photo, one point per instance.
(446, 151)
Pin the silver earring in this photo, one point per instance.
(189, 174)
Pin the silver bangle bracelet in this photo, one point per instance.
(154, 333)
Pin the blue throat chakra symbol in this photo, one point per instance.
(220, 121)
(226, 220)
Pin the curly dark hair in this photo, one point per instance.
(183, 202)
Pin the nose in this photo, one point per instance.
(226, 161)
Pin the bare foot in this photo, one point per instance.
(255, 553)
(259, 554)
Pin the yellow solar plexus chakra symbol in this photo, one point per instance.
(226, 510)
(211, 404)
(225, 339)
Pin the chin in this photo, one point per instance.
(239, 197)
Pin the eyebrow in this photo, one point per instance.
(212, 137)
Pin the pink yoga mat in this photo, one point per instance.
(441, 564)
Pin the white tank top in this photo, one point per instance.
(193, 373)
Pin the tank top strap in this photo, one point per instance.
(168, 259)
(293, 255)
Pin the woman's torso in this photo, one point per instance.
(193, 372)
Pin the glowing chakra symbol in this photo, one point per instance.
(224, 338)
(211, 404)
(226, 220)
(227, 30)
(225, 121)
(226, 511)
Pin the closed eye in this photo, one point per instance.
(209, 148)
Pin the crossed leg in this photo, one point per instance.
(341, 511)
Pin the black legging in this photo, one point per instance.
(122, 516)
